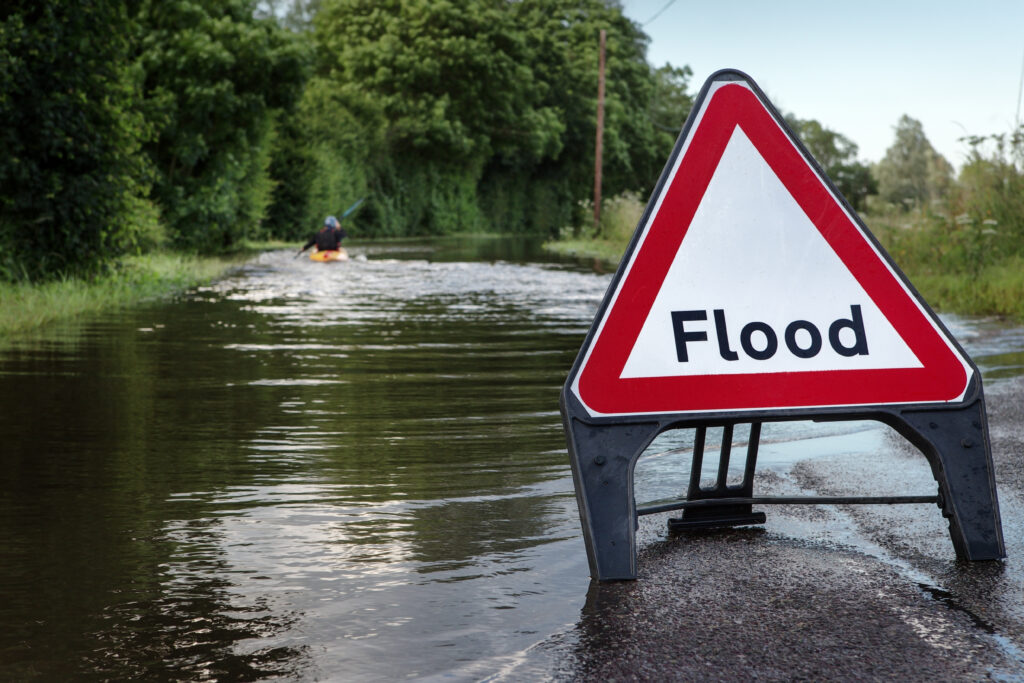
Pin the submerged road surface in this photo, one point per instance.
(357, 472)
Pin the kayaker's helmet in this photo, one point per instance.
(331, 222)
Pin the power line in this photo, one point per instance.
(658, 13)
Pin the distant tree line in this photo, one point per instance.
(953, 223)
(132, 125)
(475, 115)
(194, 124)
(129, 125)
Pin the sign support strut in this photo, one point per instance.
(603, 457)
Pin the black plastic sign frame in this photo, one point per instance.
(938, 407)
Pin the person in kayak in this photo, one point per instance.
(329, 238)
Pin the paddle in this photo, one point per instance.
(351, 208)
(343, 216)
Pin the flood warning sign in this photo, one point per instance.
(751, 286)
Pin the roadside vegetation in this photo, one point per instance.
(187, 127)
(28, 306)
(192, 125)
(168, 132)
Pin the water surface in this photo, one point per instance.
(319, 471)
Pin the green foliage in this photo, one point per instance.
(982, 217)
(991, 186)
(482, 112)
(452, 79)
(912, 173)
(72, 179)
(965, 250)
(255, 190)
(976, 225)
(513, 202)
(996, 289)
(192, 123)
(670, 103)
(563, 35)
(955, 264)
(214, 75)
(26, 307)
(837, 155)
(440, 89)
(606, 243)
(619, 217)
(291, 168)
(338, 139)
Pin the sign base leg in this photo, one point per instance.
(603, 458)
(956, 443)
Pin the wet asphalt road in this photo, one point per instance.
(820, 592)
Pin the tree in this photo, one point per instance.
(564, 34)
(335, 147)
(452, 80)
(912, 173)
(837, 155)
(988, 197)
(670, 103)
(448, 88)
(214, 78)
(72, 178)
(485, 109)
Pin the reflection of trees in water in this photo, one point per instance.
(196, 627)
(460, 534)
(457, 417)
(429, 439)
(100, 432)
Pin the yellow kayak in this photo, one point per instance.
(328, 255)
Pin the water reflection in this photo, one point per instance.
(298, 471)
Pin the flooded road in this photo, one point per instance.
(357, 471)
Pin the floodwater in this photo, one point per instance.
(349, 471)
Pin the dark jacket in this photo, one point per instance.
(328, 239)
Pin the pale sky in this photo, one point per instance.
(857, 67)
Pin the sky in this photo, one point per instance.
(857, 67)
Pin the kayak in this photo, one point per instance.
(328, 255)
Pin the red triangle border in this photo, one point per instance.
(943, 376)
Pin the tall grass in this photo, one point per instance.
(606, 241)
(25, 307)
(996, 290)
(959, 263)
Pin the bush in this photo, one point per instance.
(72, 179)
(214, 78)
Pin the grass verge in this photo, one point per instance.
(27, 307)
(602, 250)
(607, 241)
(997, 290)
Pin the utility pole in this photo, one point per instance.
(1020, 89)
(600, 134)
